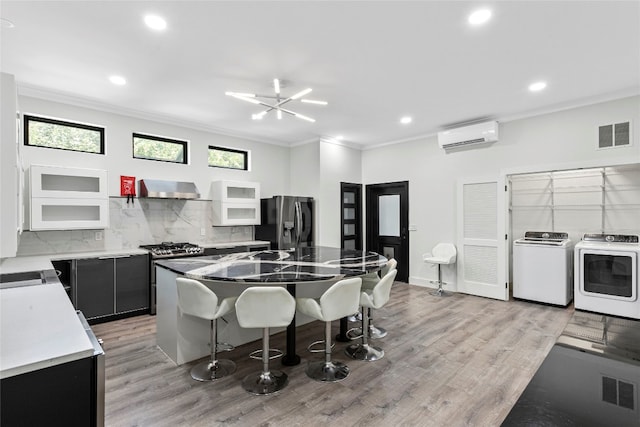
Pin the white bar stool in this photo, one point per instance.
(369, 281)
(265, 307)
(195, 299)
(442, 253)
(371, 298)
(341, 299)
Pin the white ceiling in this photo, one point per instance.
(373, 61)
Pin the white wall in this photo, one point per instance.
(317, 169)
(337, 164)
(269, 163)
(538, 143)
(8, 168)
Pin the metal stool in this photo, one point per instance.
(371, 298)
(195, 299)
(443, 253)
(265, 307)
(335, 303)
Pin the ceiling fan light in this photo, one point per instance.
(279, 113)
(236, 94)
(309, 119)
(301, 93)
(313, 101)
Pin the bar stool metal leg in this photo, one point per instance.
(213, 368)
(364, 351)
(267, 381)
(375, 332)
(440, 292)
(327, 370)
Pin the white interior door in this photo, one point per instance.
(481, 245)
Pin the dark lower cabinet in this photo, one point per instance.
(95, 287)
(109, 286)
(62, 395)
(132, 283)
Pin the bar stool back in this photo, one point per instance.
(340, 300)
(195, 299)
(371, 298)
(265, 307)
(369, 282)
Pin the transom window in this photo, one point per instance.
(63, 135)
(229, 158)
(158, 148)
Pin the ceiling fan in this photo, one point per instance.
(278, 101)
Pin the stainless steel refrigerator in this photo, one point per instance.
(286, 222)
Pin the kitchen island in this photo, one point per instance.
(305, 272)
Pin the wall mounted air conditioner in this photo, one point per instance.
(479, 133)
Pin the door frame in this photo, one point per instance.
(371, 219)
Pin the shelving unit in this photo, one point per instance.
(591, 200)
(64, 198)
(235, 203)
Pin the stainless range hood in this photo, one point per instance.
(158, 189)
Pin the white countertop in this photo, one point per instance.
(39, 328)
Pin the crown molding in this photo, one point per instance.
(64, 98)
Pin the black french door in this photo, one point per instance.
(388, 223)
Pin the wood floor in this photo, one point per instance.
(452, 361)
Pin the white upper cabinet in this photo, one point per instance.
(235, 203)
(64, 198)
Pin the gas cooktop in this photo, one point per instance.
(171, 249)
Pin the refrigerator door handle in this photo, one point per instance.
(298, 224)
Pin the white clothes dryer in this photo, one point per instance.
(606, 274)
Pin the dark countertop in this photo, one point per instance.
(278, 266)
(591, 377)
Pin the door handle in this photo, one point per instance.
(298, 222)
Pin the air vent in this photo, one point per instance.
(618, 392)
(614, 135)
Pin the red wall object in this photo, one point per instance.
(127, 185)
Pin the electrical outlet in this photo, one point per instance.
(203, 232)
(98, 235)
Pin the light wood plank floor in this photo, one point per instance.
(453, 361)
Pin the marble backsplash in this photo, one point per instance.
(146, 221)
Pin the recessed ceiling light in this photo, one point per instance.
(479, 17)
(118, 80)
(537, 86)
(406, 120)
(155, 22)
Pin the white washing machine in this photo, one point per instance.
(543, 267)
